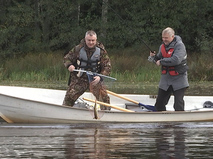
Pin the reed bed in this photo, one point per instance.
(128, 65)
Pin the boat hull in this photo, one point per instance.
(20, 110)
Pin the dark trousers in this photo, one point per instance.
(164, 96)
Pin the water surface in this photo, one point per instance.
(145, 140)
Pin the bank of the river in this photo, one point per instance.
(196, 88)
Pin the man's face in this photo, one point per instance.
(167, 38)
(91, 41)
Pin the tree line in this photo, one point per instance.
(32, 26)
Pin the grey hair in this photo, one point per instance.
(169, 31)
(91, 33)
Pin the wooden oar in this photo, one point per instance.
(5, 118)
(108, 105)
(149, 107)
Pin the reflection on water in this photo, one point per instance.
(146, 140)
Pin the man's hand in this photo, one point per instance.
(158, 63)
(152, 53)
(96, 80)
(71, 68)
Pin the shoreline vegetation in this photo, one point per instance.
(134, 73)
(202, 88)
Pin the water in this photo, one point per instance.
(105, 141)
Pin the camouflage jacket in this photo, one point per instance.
(72, 57)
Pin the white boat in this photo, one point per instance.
(36, 105)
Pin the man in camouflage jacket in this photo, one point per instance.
(89, 49)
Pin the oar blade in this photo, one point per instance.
(149, 107)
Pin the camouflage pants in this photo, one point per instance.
(79, 85)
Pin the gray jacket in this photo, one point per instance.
(179, 81)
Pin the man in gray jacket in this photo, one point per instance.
(172, 59)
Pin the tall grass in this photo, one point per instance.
(131, 65)
(35, 67)
(128, 65)
(201, 67)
